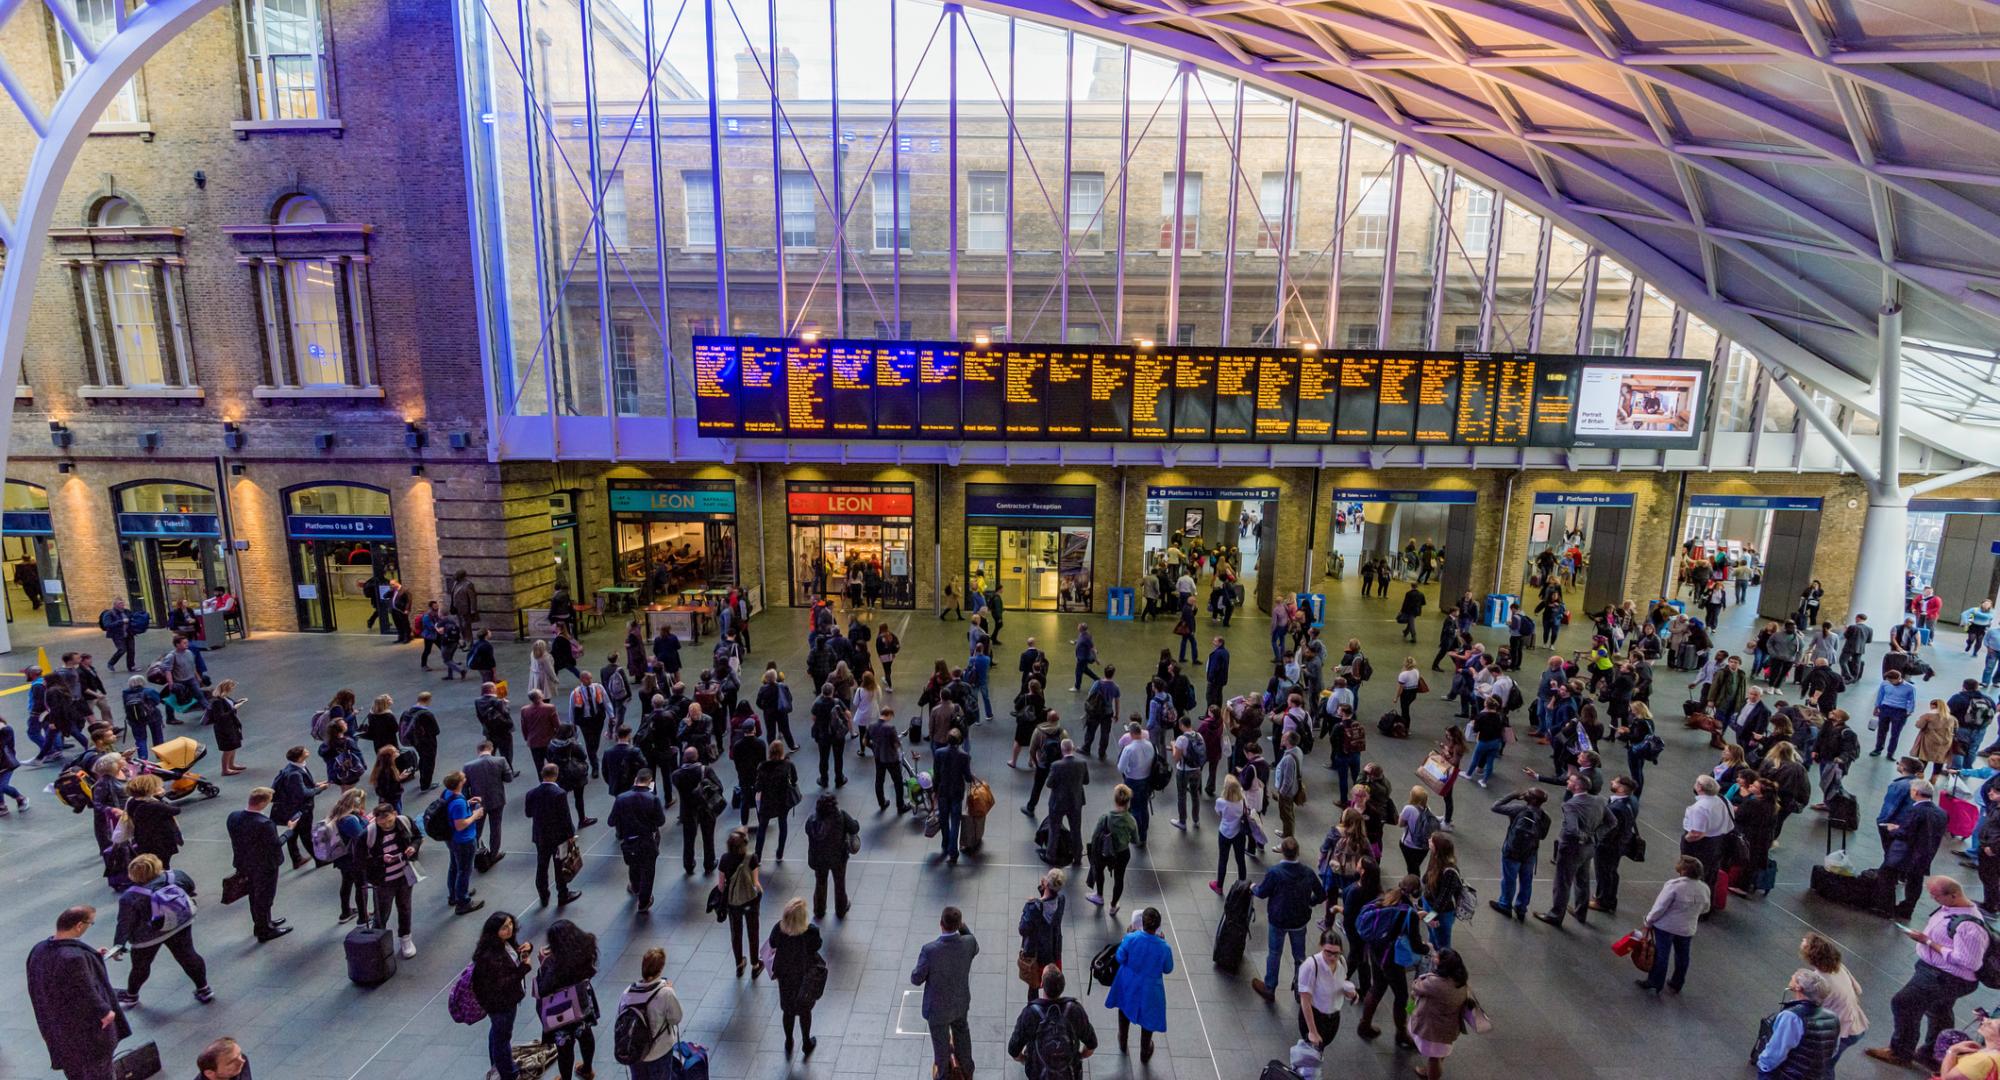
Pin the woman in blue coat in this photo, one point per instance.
(1139, 993)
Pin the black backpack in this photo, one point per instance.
(1104, 966)
(1051, 750)
(437, 821)
(631, 1035)
(1194, 753)
(1054, 1048)
(1097, 706)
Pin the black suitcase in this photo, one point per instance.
(1232, 933)
(371, 956)
(137, 1063)
(1843, 812)
(1278, 1070)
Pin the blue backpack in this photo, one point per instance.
(687, 1061)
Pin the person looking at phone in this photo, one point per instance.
(465, 814)
(1949, 948)
(500, 966)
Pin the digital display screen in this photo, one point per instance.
(776, 388)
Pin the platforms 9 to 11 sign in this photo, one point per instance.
(749, 387)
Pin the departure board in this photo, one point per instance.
(941, 390)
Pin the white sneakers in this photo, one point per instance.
(409, 948)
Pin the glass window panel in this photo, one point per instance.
(1261, 194)
(801, 211)
(98, 20)
(1465, 265)
(986, 212)
(892, 212)
(1416, 252)
(1150, 154)
(1097, 107)
(746, 75)
(1562, 308)
(617, 220)
(984, 70)
(1736, 390)
(1514, 279)
(866, 91)
(1656, 324)
(923, 129)
(1190, 211)
(1364, 240)
(698, 208)
(1613, 302)
(1040, 209)
(135, 332)
(1698, 340)
(1316, 213)
(1211, 124)
(312, 291)
(283, 48)
(624, 369)
(806, 140)
(1780, 414)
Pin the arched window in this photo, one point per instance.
(312, 297)
(132, 287)
(311, 279)
(126, 276)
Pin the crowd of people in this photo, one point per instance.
(657, 729)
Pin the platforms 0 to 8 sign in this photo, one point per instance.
(942, 390)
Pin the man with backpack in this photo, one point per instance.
(636, 818)
(1053, 1034)
(696, 783)
(259, 852)
(1190, 756)
(292, 797)
(496, 722)
(1974, 712)
(1954, 954)
(454, 821)
(1584, 820)
(1100, 712)
(1217, 673)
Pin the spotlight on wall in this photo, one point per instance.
(149, 440)
(237, 468)
(1145, 343)
(65, 466)
(60, 435)
(415, 437)
(981, 340)
(810, 336)
(416, 470)
(324, 440)
(1310, 346)
(232, 436)
(461, 439)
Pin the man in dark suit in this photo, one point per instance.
(1030, 657)
(951, 771)
(548, 808)
(293, 792)
(1913, 837)
(622, 762)
(486, 780)
(75, 1008)
(1753, 717)
(695, 818)
(399, 611)
(944, 970)
(1067, 778)
(259, 851)
(637, 817)
(1218, 672)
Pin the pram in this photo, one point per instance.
(917, 787)
(173, 762)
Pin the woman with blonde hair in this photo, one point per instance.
(149, 820)
(228, 726)
(1934, 730)
(349, 821)
(792, 954)
(1418, 824)
(541, 669)
(1232, 832)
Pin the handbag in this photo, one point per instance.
(767, 954)
(235, 887)
(567, 1007)
(570, 863)
(1423, 685)
(1027, 968)
(1474, 1019)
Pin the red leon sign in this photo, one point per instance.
(850, 503)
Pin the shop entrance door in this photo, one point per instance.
(822, 549)
(1034, 569)
(160, 572)
(334, 580)
(34, 579)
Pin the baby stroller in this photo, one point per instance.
(173, 762)
(917, 788)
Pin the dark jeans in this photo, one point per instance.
(181, 945)
(1889, 731)
(352, 882)
(892, 770)
(690, 828)
(1115, 866)
(764, 829)
(1227, 844)
(640, 869)
(1142, 803)
(839, 875)
(1187, 790)
(830, 751)
(545, 857)
(566, 1048)
(946, 1036)
(1665, 944)
(1517, 883)
(500, 1043)
(458, 879)
(1035, 789)
(952, 813)
(1607, 878)
(1930, 993)
(743, 931)
(398, 892)
(127, 647)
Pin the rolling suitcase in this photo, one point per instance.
(1767, 879)
(1232, 933)
(971, 834)
(371, 956)
(1843, 812)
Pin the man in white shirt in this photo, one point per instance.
(1135, 766)
(1706, 825)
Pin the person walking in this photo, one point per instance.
(951, 773)
(1053, 1034)
(1439, 1017)
(832, 836)
(1443, 884)
(660, 1008)
(831, 725)
(293, 793)
(1190, 754)
(500, 966)
(1135, 768)
(740, 894)
(157, 912)
(75, 1009)
(258, 851)
(1390, 926)
(1291, 891)
(1895, 700)
(800, 971)
(1111, 841)
(548, 811)
(1139, 992)
(636, 818)
(465, 813)
(1232, 832)
(1085, 648)
(944, 970)
(1675, 914)
(887, 746)
(1949, 948)
(566, 753)
(698, 787)
(389, 848)
(486, 779)
(1323, 988)
(569, 962)
(777, 794)
(1041, 930)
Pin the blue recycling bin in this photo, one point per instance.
(1118, 604)
(1497, 607)
(1315, 605)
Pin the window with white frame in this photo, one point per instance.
(1361, 336)
(986, 209)
(312, 301)
(892, 212)
(617, 221)
(1271, 208)
(1465, 338)
(801, 211)
(1086, 211)
(127, 277)
(135, 328)
(1605, 340)
(698, 207)
(310, 283)
(1190, 212)
(1368, 229)
(1476, 229)
(624, 369)
(284, 49)
(98, 21)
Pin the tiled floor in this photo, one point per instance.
(1562, 1003)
